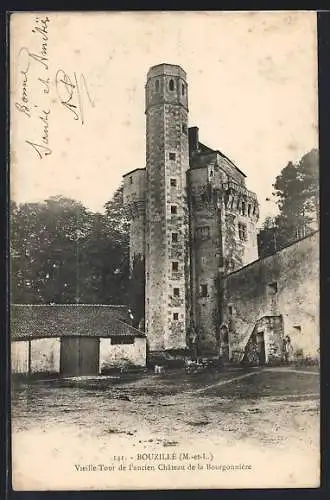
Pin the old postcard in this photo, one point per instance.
(164, 241)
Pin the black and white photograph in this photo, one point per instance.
(164, 250)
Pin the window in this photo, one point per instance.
(157, 86)
(122, 340)
(174, 209)
(173, 182)
(184, 128)
(174, 237)
(297, 328)
(249, 210)
(230, 310)
(171, 84)
(203, 232)
(131, 180)
(172, 156)
(175, 266)
(242, 232)
(243, 208)
(176, 292)
(175, 316)
(182, 89)
(273, 287)
(203, 290)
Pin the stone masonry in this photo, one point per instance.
(191, 216)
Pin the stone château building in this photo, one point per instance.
(193, 221)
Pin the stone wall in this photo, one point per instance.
(285, 284)
(167, 162)
(122, 355)
(45, 355)
(20, 357)
(220, 205)
(134, 198)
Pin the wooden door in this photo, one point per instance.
(89, 356)
(79, 356)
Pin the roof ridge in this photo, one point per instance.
(69, 305)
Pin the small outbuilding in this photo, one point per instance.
(73, 339)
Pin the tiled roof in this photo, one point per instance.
(36, 321)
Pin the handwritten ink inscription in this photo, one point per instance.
(71, 95)
(28, 58)
(33, 101)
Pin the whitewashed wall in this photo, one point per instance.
(118, 355)
(20, 356)
(45, 355)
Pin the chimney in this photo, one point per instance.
(193, 139)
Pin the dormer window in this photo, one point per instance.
(171, 85)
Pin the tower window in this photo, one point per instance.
(131, 180)
(203, 232)
(173, 182)
(182, 89)
(175, 316)
(171, 84)
(174, 209)
(273, 287)
(184, 128)
(176, 292)
(203, 290)
(242, 232)
(243, 208)
(157, 85)
(172, 156)
(174, 237)
(175, 266)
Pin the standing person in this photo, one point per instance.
(193, 343)
(289, 349)
(284, 351)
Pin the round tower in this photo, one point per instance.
(167, 161)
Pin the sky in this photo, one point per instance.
(252, 86)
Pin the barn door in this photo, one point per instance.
(89, 356)
(69, 356)
(79, 356)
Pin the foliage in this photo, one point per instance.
(297, 191)
(63, 253)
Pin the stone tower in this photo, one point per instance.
(166, 230)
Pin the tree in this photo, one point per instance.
(267, 238)
(117, 214)
(297, 190)
(63, 253)
(46, 239)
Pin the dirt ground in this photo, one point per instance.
(267, 418)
